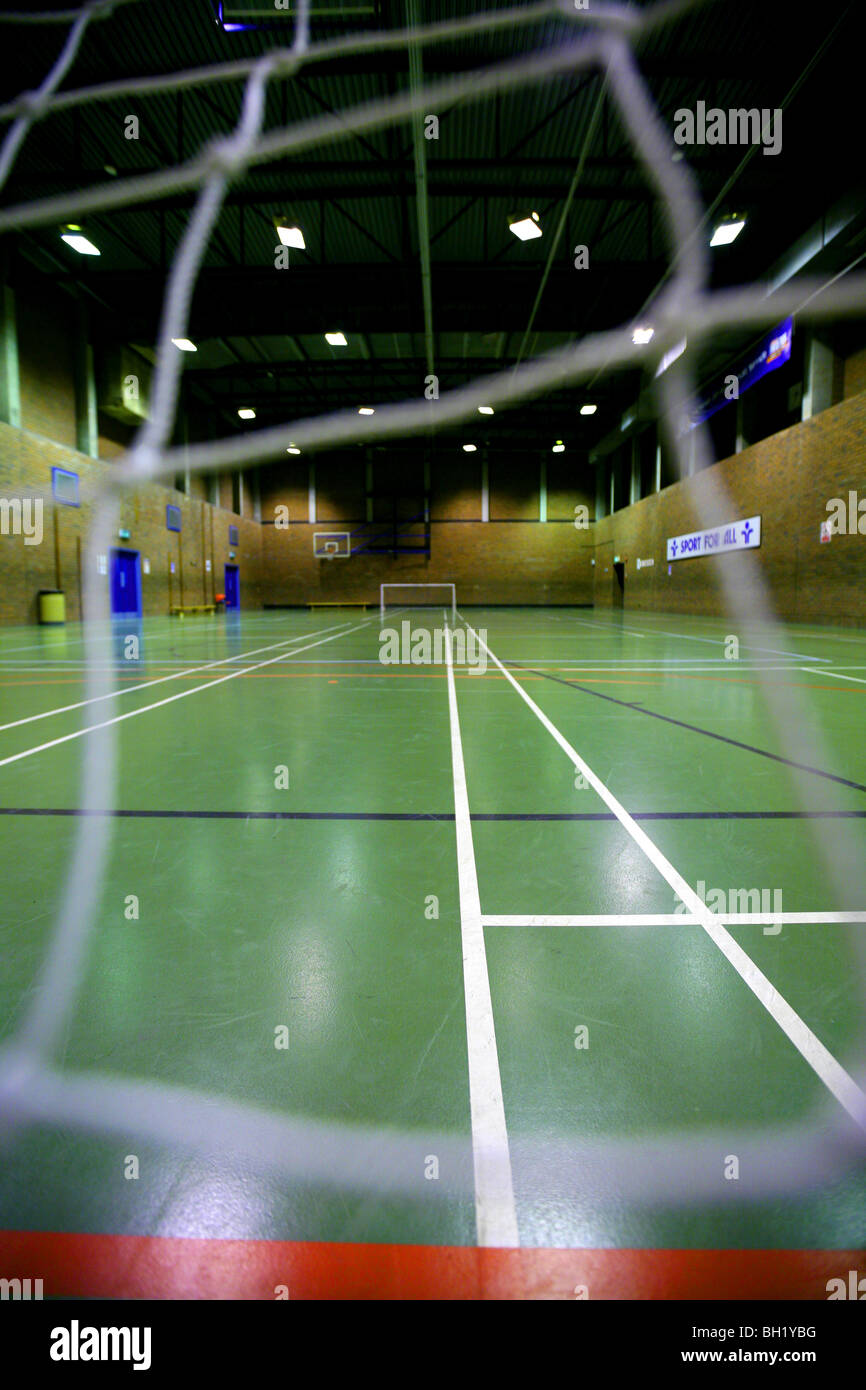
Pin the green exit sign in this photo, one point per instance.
(123, 535)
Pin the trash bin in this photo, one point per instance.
(52, 607)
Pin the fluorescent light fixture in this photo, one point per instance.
(527, 228)
(290, 235)
(485, 410)
(292, 449)
(727, 231)
(185, 344)
(366, 410)
(336, 339)
(73, 237)
(588, 409)
(671, 355)
(558, 448)
(642, 335)
(469, 448)
(246, 413)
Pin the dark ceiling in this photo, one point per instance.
(260, 332)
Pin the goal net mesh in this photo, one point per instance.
(35, 1089)
(418, 596)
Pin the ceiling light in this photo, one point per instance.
(588, 409)
(525, 227)
(469, 448)
(485, 410)
(727, 231)
(246, 413)
(642, 335)
(336, 339)
(73, 237)
(185, 344)
(290, 235)
(366, 410)
(292, 449)
(558, 448)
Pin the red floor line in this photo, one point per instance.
(164, 1267)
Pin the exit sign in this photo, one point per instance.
(123, 535)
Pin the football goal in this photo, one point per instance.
(418, 596)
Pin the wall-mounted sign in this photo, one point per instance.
(773, 352)
(64, 486)
(146, 566)
(123, 535)
(102, 564)
(826, 531)
(734, 535)
(173, 517)
(645, 564)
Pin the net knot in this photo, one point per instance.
(33, 104)
(226, 157)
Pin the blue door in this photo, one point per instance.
(125, 582)
(233, 587)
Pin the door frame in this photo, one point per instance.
(114, 552)
(233, 607)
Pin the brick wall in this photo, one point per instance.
(26, 461)
(787, 480)
(501, 561)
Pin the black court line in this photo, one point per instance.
(428, 815)
(692, 728)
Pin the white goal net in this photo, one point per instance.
(418, 596)
(34, 1088)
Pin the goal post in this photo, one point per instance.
(418, 596)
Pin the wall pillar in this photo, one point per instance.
(818, 384)
(741, 442)
(634, 480)
(10, 381)
(86, 424)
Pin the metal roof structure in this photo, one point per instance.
(260, 334)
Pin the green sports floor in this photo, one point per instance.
(388, 968)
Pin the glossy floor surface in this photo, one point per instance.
(428, 916)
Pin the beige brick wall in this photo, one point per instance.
(26, 461)
(787, 480)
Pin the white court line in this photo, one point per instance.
(181, 695)
(749, 646)
(495, 1210)
(628, 668)
(667, 919)
(837, 675)
(812, 1050)
(159, 680)
(606, 627)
